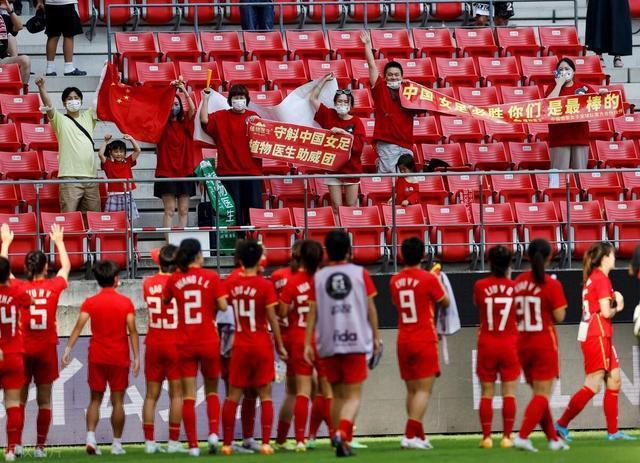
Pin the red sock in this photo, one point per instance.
(42, 426)
(345, 428)
(301, 414)
(317, 415)
(546, 423)
(14, 425)
(266, 420)
(228, 420)
(420, 432)
(148, 429)
(21, 429)
(248, 417)
(283, 431)
(328, 417)
(533, 415)
(174, 431)
(213, 413)
(579, 400)
(611, 410)
(486, 415)
(411, 428)
(508, 414)
(189, 420)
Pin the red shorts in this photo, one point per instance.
(100, 374)
(296, 364)
(161, 362)
(496, 357)
(346, 368)
(252, 366)
(12, 371)
(205, 355)
(418, 360)
(539, 364)
(41, 365)
(599, 354)
(224, 367)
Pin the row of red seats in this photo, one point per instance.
(23, 198)
(27, 136)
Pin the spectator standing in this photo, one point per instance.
(9, 26)
(256, 17)
(116, 164)
(502, 11)
(609, 29)
(77, 159)
(393, 133)
(61, 19)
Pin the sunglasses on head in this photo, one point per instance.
(345, 91)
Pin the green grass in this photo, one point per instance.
(587, 447)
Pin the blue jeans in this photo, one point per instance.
(256, 18)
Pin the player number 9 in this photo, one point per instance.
(408, 303)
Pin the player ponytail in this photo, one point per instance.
(310, 256)
(539, 252)
(294, 265)
(187, 252)
(593, 258)
(500, 260)
(35, 264)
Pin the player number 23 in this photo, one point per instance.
(156, 320)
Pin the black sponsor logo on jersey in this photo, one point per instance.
(338, 286)
(345, 336)
(341, 309)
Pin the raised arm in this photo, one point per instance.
(136, 147)
(103, 147)
(560, 81)
(180, 86)
(57, 236)
(314, 96)
(83, 318)
(371, 62)
(44, 96)
(7, 238)
(135, 342)
(204, 109)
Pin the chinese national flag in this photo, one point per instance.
(142, 112)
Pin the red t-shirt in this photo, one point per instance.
(406, 191)
(394, 124)
(13, 303)
(493, 297)
(535, 304)
(196, 293)
(163, 318)
(229, 130)
(109, 337)
(296, 293)
(570, 133)
(250, 297)
(175, 150)
(415, 293)
(39, 321)
(113, 169)
(328, 119)
(597, 287)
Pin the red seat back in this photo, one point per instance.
(25, 238)
(20, 165)
(264, 45)
(461, 129)
(75, 236)
(9, 137)
(221, 45)
(434, 42)
(8, 199)
(624, 228)
(450, 153)
(319, 68)
(560, 40)
(518, 41)
(499, 71)
(179, 46)
(621, 153)
(367, 236)
(48, 197)
(529, 155)
(483, 96)
(457, 71)
(451, 232)
(391, 43)
(376, 190)
(511, 188)
(10, 80)
(320, 221)
(274, 229)
(156, 74)
(519, 94)
(490, 156)
(158, 15)
(346, 43)
(21, 108)
(195, 75)
(109, 236)
(248, 73)
(306, 44)
(538, 70)
(476, 41)
(286, 74)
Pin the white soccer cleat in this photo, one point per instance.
(558, 444)
(93, 449)
(19, 451)
(524, 444)
(39, 452)
(117, 449)
(9, 456)
(151, 446)
(252, 444)
(194, 452)
(213, 443)
(414, 443)
(175, 447)
(426, 444)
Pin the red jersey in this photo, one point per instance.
(415, 293)
(122, 169)
(570, 133)
(14, 302)
(109, 343)
(394, 124)
(229, 130)
(175, 151)
(493, 298)
(535, 304)
(328, 119)
(280, 278)
(406, 191)
(597, 287)
(250, 297)
(163, 318)
(39, 321)
(296, 294)
(196, 293)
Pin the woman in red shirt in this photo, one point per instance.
(175, 159)
(339, 120)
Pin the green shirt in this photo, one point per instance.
(76, 155)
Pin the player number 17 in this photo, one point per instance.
(506, 303)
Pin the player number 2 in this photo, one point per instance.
(529, 313)
(506, 303)
(408, 305)
(192, 302)
(38, 315)
(8, 317)
(241, 310)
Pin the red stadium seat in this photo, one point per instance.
(589, 70)
(75, 236)
(631, 181)
(401, 11)
(221, 45)
(10, 80)
(450, 153)
(538, 70)
(447, 11)
(109, 235)
(419, 70)
(518, 41)
(369, 126)
(320, 221)
(457, 72)
(529, 155)
(25, 238)
(476, 41)
(118, 16)
(538, 132)
(248, 73)
(264, 45)
(9, 140)
(461, 129)
(48, 197)
(369, 159)
(391, 43)
(8, 199)
(539, 220)
(179, 46)
(601, 130)
(617, 153)
(451, 232)
(286, 74)
(332, 12)
(433, 42)
(586, 226)
(20, 165)
(266, 98)
(499, 71)
(363, 102)
(547, 193)
(158, 16)
(86, 11)
(519, 94)
(512, 188)
(195, 75)
(38, 137)
(359, 12)
(598, 186)
(483, 96)
(156, 74)
(409, 222)
(431, 189)
(498, 225)
(425, 130)
(375, 190)
(21, 108)
(360, 70)
(289, 10)
(232, 12)
(627, 126)
(321, 192)
(346, 44)
(560, 40)
(203, 15)
(367, 234)
(289, 192)
(447, 91)
(274, 228)
(491, 156)
(501, 132)
(624, 225)
(135, 47)
(50, 163)
(319, 68)
(465, 188)
(306, 44)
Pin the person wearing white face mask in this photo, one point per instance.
(339, 120)
(393, 132)
(228, 127)
(77, 159)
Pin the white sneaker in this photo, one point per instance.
(426, 444)
(19, 451)
(300, 447)
(414, 443)
(151, 446)
(39, 452)
(213, 443)
(558, 444)
(93, 449)
(194, 452)
(524, 444)
(252, 444)
(175, 447)
(9, 456)
(116, 449)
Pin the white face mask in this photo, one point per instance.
(73, 105)
(342, 109)
(393, 84)
(239, 104)
(568, 75)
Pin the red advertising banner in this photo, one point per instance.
(299, 145)
(575, 108)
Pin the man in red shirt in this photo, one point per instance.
(112, 316)
(393, 133)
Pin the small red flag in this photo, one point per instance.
(142, 112)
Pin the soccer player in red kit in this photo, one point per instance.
(254, 302)
(111, 315)
(14, 301)
(600, 303)
(161, 359)
(540, 302)
(39, 328)
(415, 293)
(497, 345)
(197, 292)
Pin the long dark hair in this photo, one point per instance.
(500, 260)
(311, 256)
(538, 252)
(34, 264)
(296, 251)
(187, 253)
(180, 116)
(593, 257)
